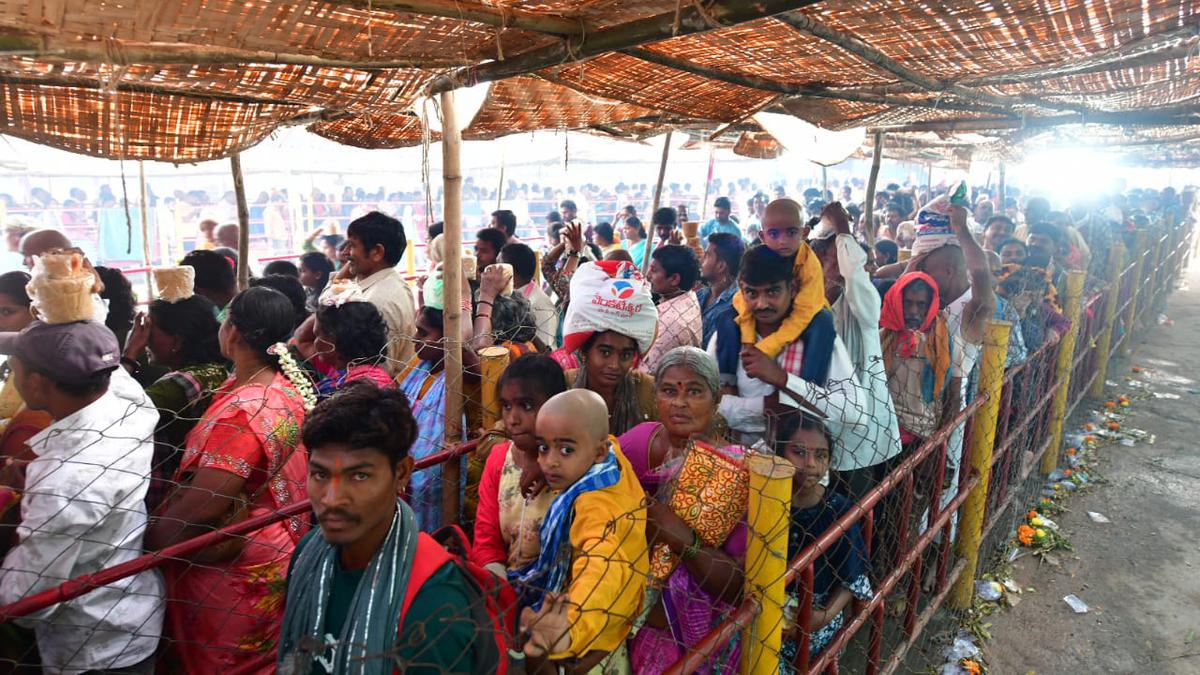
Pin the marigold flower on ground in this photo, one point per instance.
(1068, 472)
(1071, 452)
(1025, 535)
(1032, 514)
(1137, 369)
(1113, 426)
(1110, 405)
(971, 667)
(1089, 427)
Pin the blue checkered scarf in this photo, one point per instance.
(549, 572)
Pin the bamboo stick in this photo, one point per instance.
(754, 82)
(166, 53)
(854, 45)
(1158, 117)
(872, 182)
(146, 230)
(452, 290)
(243, 213)
(662, 172)
(508, 17)
(689, 20)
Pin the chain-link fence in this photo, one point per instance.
(146, 535)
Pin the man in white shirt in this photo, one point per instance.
(375, 244)
(814, 372)
(83, 506)
(524, 264)
(861, 461)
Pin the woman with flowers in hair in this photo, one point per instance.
(347, 342)
(243, 459)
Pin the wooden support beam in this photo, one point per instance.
(816, 91)
(690, 20)
(454, 340)
(143, 88)
(243, 214)
(644, 263)
(850, 43)
(872, 182)
(1150, 51)
(509, 17)
(168, 53)
(1152, 118)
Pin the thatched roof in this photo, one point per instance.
(200, 79)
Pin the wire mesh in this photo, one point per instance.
(714, 550)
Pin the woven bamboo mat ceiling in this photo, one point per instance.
(199, 79)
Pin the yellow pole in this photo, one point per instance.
(903, 254)
(410, 259)
(766, 560)
(492, 362)
(1156, 275)
(1139, 257)
(1116, 256)
(983, 436)
(537, 267)
(1066, 359)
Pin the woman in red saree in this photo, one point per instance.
(243, 459)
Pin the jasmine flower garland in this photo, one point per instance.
(295, 374)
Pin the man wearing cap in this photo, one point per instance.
(83, 509)
(722, 222)
(855, 303)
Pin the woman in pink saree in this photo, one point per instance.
(706, 581)
(243, 459)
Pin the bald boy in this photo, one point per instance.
(572, 434)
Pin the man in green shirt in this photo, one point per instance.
(367, 592)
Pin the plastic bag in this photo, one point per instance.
(609, 296)
(933, 228)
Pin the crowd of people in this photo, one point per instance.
(647, 363)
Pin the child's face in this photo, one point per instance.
(519, 404)
(781, 234)
(564, 452)
(808, 451)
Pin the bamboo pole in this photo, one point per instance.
(712, 156)
(190, 53)
(1116, 256)
(851, 43)
(1066, 363)
(689, 20)
(1001, 197)
(983, 435)
(145, 203)
(872, 183)
(506, 17)
(243, 213)
(766, 560)
(662, 172)
(452, 289)
(1176, 116)
(806, 90)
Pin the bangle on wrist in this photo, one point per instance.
(485, 302)
(132, 363)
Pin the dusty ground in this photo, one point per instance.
(1141, 573)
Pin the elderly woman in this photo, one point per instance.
(707, 581)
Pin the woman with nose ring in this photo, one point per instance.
(706, 582)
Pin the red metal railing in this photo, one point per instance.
(73, 588)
